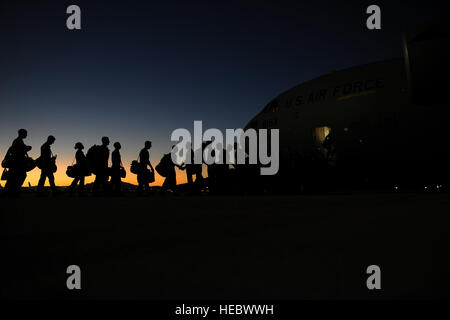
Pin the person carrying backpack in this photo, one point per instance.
(166, 168)
(193, 169)
(47, 165)
(81, 169)
(98, 157)
(15, 160)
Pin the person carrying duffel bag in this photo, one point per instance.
(78, 171)
(144, 175)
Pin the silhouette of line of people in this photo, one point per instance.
(108, 180)
(17, 163)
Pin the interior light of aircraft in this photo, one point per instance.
(321, 133)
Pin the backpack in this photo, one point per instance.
(71, 171)
(29, 164)
(8, 160)
(94, 158)
(38, 162)
(52, 166)
(4, 176)
(164, 166)
(135, 167)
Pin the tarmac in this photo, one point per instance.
(227, 247)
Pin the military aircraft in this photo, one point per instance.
(383, 123)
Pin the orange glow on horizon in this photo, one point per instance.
(62, 180)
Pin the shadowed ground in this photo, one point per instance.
(309, 246)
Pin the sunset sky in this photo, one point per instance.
(140, 69)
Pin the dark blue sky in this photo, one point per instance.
(139, 69)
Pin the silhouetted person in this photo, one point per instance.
(193, 169)
(217, 171)
(115, 169)
(47, 165)
(101, 174)
(223, 171)
(248, 173)
(329, 145)
(81, 169)
(16, 157)
(144, 163)
(190, 171)
(170, 182)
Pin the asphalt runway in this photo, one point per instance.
(227, 247)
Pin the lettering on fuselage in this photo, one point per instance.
(336, 92)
